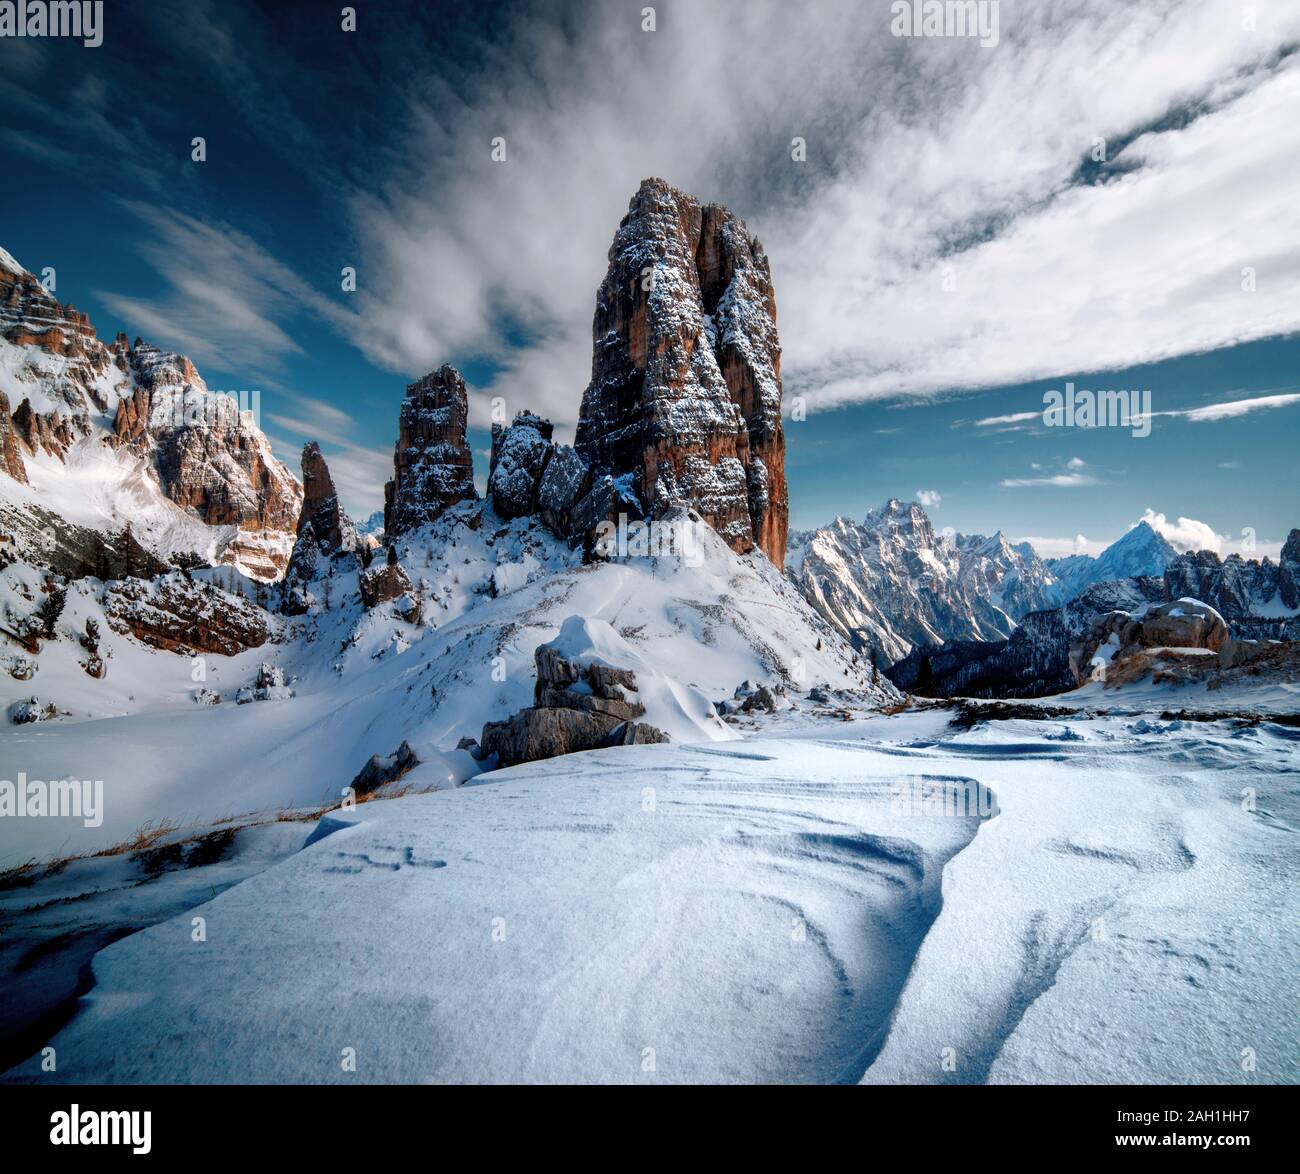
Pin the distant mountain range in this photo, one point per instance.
(1258, 599)
(891, 583)
(1141, 551)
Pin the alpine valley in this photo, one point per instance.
(524, 784)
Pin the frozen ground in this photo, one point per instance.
(783, 908)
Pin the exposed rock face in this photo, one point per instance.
(432, 464)
(1239, 587)
(565, 482)
(195, 448)
(11, 460)
(380, 584)
(384, 769)
(891, 583)
(578, 706)
(209, 455)
(520, 455)
(1118, 636)
(1034, 662)
(684, 402)
(185, 618)
(324, 528)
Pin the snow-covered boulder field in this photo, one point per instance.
(894, 899)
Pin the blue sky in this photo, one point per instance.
(946, 254)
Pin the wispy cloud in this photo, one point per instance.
(1056, 481)
(228, 299)
(1234, 408)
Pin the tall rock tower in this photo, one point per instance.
(684, 403)
(432, 464)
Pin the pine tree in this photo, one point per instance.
(129, 567)
(925, 677)
(50, 609)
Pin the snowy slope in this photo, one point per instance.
(778, 909)
(364, 681)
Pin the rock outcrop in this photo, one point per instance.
(684, 403)
(1034, 661)
(432, 464)
(383, 769)
(520, 455)
(1121, 646)
(185, 618)
(577, 706)
(381, 584)
(195, 448)
(11, 460)
(1239, 587)
(324, 529)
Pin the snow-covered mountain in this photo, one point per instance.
(1259, 600)
(891, 582)
(359, 651)
(96, 437)
(789, 884)
(1241, 588)
(1140, 552)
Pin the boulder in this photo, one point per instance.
(184, 617)
(380, 584)
(382, 769)
(324, 528)
(577, 705)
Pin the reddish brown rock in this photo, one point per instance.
(324, 528)
(382, 584)
(207, 455)
(184, 618)
(684, 402)
(11, 460)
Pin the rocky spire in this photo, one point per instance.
(432, 464)
(685, 395)
(322, 522)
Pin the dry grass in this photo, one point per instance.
(148, 835)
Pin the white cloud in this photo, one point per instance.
(1057, 481)
(1185, 534)
(1235, 408)
(1075, 463)
(227, 295)
(929, 498)
(1053, 275)
(1014, 418)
